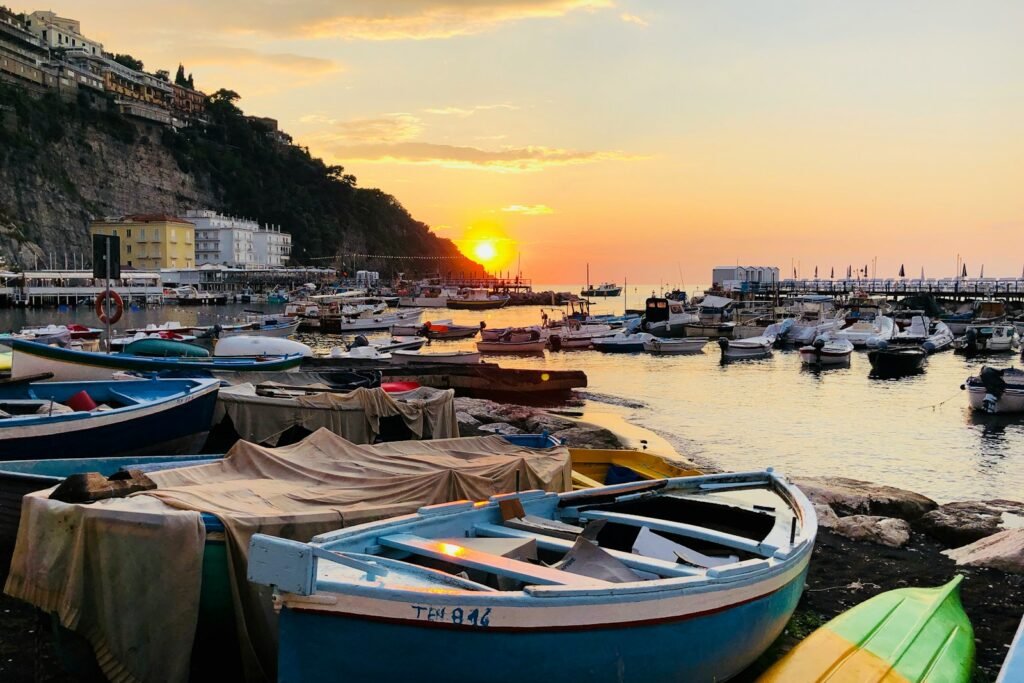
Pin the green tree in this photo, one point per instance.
(179, 77)
(129, 61)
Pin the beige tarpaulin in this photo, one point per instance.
(298, 491)
(355, 415)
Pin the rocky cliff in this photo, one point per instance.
(65, 163)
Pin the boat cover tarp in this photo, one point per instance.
(355, 415)
(125, 573)
(711, 301)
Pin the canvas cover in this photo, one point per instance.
(126, 573)
(355, 415)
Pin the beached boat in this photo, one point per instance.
(908, 634)
(896, 361)
(746, 349)
(74, 330)
(1013, 667)
(665, 318)
(593, 467)
(979, 339)
(510, 346)
(996, 391)
(260, 347)
(157, 347)
(826, 351)
(477, 300)
(671, 347)
(31, 358)
(612, 579)
(92, 419)
(401, 357)
(623, 342)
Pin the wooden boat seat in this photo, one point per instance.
(685, 530)
(645, 564)
(475, 559)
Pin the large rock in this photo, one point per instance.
(827, 517)
(957, 524)
(1003, 551)
(856, 497)
(468, 425)
(546, 422)
(587, 436)
(478, 408)
(882, 530)
(502, 428)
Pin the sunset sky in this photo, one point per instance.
(646, 138)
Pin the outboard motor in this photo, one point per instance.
(556, 342)
(819, 343)
(882, 345)
(971, 342)
(723, 343)
(994, 384)
(360, 340)
(929, 347)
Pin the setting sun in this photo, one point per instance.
(485, 252)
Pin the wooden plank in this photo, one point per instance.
(502, 566)
(647, 564)
(682, 529)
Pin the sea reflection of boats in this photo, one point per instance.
(604, 577)
(996, 391)
(896, 361)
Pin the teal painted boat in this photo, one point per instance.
(165, 348)
(31, 358)
(908, 635)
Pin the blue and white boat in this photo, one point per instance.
(31, 358)
(1013, 667)
(686, 579)
(94, 419)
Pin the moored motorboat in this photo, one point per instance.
(447, 330)
(266, 326)
(74, 330)
(477, 299)
(896, 361)
(981, 312)
(908, 634)
(826, 351)
(605, 289)
(622, 342)
(749, 348)
(31, 358)
(930, 334)
(866, 331)
(667, 347)
(666, 318)
(996, 391)
(596, 577)
(510, 346)
(91, 419)
(983, 339)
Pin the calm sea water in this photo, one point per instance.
(915, 432)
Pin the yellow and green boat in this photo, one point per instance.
(901, 636)
(603, 466)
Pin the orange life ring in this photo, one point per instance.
(118, 307)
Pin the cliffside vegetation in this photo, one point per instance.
(64, 162)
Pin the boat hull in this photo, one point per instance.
(896, 364)
(168, 427)
(511, 347)
(674, 347)
(1012, 400)
(474, 305)
(811, 356)
(711, 643)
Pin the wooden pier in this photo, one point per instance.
(952, 289)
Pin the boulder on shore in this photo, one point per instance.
(887, 531)
(502, 428)
(1003, 551)
(961, 523)
(855, 497)
(584, 435)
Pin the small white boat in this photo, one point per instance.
(666, 347)
(244, 345)
(827, 352)
(931, 335)
(515, 333)
(449, 357)
(862, 332)
(978, 339)
(120, 342)
(746, 349)
(529, 346)
(360, 353)
(996, 391)
(623, 342)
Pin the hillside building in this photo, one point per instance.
(22, 54)
(151, 241)
(238, 242)
(741, 277)
(60, 33)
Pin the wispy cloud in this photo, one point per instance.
(208, 54)
(633, 19)
(529, 210)
(384, 129)
(463, 112)
(507, 160)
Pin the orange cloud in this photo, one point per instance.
(385, 129)
(529, 210)
(463, 112)
(206, 54)
(633, 19)
(451, 156)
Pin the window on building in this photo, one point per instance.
(129, 248)
(142, 234)
(129, 230)
(174, 235)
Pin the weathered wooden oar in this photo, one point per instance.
(904, 635)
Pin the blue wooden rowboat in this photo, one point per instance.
(1013, 667)
(31, 358)
(717, 566)
(144, 416)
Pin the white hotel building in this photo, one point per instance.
(238, 242)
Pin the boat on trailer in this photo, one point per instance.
(680, 579)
